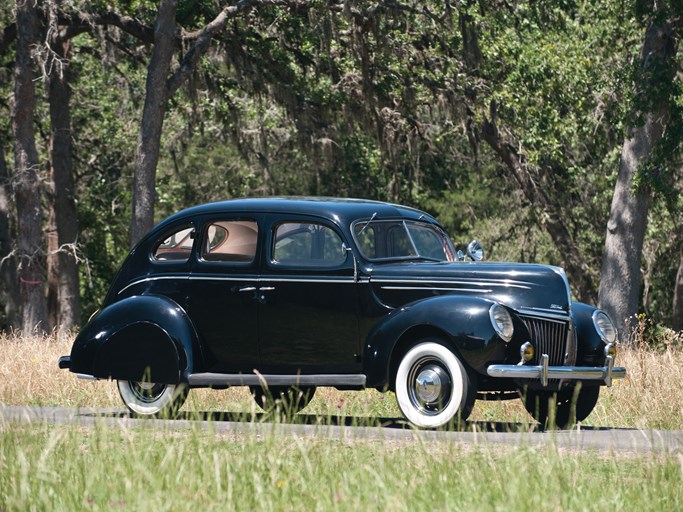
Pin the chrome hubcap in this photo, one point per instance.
(147, 391)
(429, 386)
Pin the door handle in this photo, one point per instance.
(267, 288)
(248, 289)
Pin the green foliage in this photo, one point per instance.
(106, 89)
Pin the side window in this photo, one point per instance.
(307, 244)
(176, 247)
(230, 240)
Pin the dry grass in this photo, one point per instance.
(651, 396)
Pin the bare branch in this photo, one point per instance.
(203, 37)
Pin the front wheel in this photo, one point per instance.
(432, 386)
(152, 399)
(567, 405)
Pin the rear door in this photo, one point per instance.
(223, 287)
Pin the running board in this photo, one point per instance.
(248, 379)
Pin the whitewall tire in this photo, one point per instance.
(151, 399)
(432, 386)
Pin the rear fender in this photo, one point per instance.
(463, 323)
(142, 337)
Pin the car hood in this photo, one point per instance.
(543, 288)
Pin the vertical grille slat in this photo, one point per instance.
(550, 337)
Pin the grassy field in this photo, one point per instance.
(99, 468)
(649, 398)
(44, 467)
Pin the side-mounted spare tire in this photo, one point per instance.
(432, 385)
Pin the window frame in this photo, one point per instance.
(397, 221)
(169, 233)
(201, 255)
(316, 263)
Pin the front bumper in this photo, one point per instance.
(544, 372)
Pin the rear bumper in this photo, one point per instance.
(64, 362)
(606, 374)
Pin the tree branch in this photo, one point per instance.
(204, 36)
(79, 23)
(583, 277)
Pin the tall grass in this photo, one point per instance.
(651, 396)
(67, 467)
(70, 468)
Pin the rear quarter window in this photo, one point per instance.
(175, 247)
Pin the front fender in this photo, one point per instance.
(141, 337)
(464, 322)
(590, 349)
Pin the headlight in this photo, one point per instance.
(501, 321)
(604, 326)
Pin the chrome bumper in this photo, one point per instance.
(544, 372)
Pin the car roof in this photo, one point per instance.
(343, 210)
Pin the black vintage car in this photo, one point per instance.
(287, 294)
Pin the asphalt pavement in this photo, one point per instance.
(583, 438)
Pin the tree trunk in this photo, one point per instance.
(156, 98)
(31, 254)
(620, 273)
(9, 288)
(572, 260)
(64, 261)
(677, 317)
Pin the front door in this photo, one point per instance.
(308, 300)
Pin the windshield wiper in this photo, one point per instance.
(367, 224)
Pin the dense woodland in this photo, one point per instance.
(548, 130)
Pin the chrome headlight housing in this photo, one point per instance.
(604, 326)
(502, 322)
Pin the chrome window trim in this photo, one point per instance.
(401, 220)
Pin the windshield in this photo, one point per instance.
(402, 239)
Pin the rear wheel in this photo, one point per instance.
(290, 399)
(432, 386)
(561, 408)
(152, 399)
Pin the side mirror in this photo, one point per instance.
(475, 251)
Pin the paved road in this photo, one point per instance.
(584, 439)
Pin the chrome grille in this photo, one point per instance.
(550, 336)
